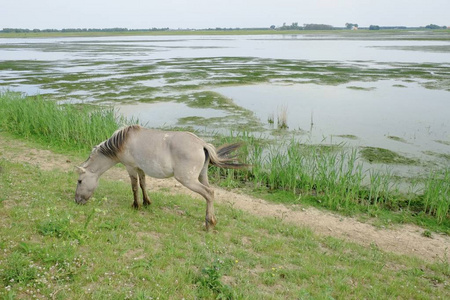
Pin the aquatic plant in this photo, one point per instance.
(380, 155)
(282, 117)
(271, 118)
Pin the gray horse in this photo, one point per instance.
(159, 154)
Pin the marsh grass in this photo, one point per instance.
(163, 252)
(66, 126)
(335, 178)
(437, 194)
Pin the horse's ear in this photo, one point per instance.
(80, 170)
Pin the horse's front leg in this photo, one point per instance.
(134, 185)
(142, 183)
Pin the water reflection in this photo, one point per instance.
(164, 114)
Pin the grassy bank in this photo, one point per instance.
(51, 248)
(289, 173)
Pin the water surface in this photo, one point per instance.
(267, 46)
(399, 116)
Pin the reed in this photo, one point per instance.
(67, 126)
(436, 194)
(282, 117)
(333, 178)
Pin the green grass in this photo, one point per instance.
(53, 248)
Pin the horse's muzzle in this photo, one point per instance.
(80, 200)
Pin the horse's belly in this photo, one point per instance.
(156, 170)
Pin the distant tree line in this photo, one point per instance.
(116, 29)
(433, 26)
(295, 26)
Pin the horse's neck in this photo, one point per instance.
(101, 164)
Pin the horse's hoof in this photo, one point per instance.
(210, 224)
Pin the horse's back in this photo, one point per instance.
(160, 153)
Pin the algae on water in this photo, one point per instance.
(385, 156)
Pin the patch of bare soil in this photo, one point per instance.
(403, 239)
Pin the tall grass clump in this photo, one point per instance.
(332, 175)
(437, 194)
(67, 126)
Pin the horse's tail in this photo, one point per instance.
(220, 157)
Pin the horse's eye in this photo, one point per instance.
(79, 181)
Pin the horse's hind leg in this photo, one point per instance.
(210, 219)
(142, 183)
(207, 193)
(203, 177)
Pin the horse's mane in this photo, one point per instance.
(112, 146)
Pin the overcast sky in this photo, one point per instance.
(141, 14)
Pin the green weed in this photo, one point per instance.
(210, 279)
(18, 269)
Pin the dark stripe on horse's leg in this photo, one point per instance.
(142, 183)
(134, 187)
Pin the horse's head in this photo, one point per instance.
(87, 183)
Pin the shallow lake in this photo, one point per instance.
(398, 116)
(289, 46)
(390, 92)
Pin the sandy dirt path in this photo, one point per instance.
(402, 239)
